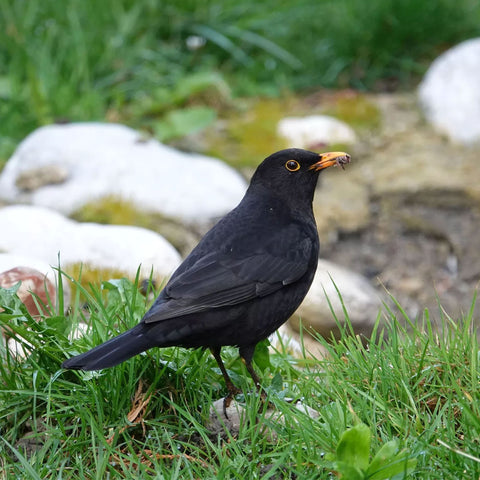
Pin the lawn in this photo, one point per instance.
(413, 393)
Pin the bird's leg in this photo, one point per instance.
(255, 377)
(246, 353)
(232, 389)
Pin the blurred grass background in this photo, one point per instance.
(120, 60)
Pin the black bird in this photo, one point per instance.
(246, 276)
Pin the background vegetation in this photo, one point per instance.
(119, 60)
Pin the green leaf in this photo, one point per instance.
(354, 447)
(10, 302)
(59, 323)
(330, 457)
(5, 88)
(262, 356)
(189, 120)
(122, 293)
(6, 317)
(6, 294)
(394, 467)
(277, 382)
(348, 471)
(193, 85)
(383, 457)
(181, 122)
(118, 289)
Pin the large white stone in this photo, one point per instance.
(12, 260)
(450, 93)
(315, 131)
(88, 161)
(359, 298)
(42, 234)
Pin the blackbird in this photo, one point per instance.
(246, 276)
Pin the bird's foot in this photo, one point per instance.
(265, 403)
(232, 392)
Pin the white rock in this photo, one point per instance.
(113, 160)
(285, 339)
(20, 350)
(361, 301)
(42, 233)
(314, 131)
(238, 416)
(12, 260)
(80, 330)
(298, 345)
(450, 93)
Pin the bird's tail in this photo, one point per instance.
(112, 352)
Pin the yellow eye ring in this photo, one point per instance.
(292, 165)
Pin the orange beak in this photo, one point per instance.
(331, 158)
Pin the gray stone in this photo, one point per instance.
(360, 299)
(341, 203)
(237, 416)
(450, 93)
(35, 178)
(422, 202)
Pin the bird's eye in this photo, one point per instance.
(292, 166)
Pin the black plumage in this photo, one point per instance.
(246, 276)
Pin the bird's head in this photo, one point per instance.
(294, 172)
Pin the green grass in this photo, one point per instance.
(123, 60)
(147, 416)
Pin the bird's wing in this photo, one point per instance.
(221, 278)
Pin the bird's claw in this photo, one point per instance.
(264, 401)
(232, 392)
